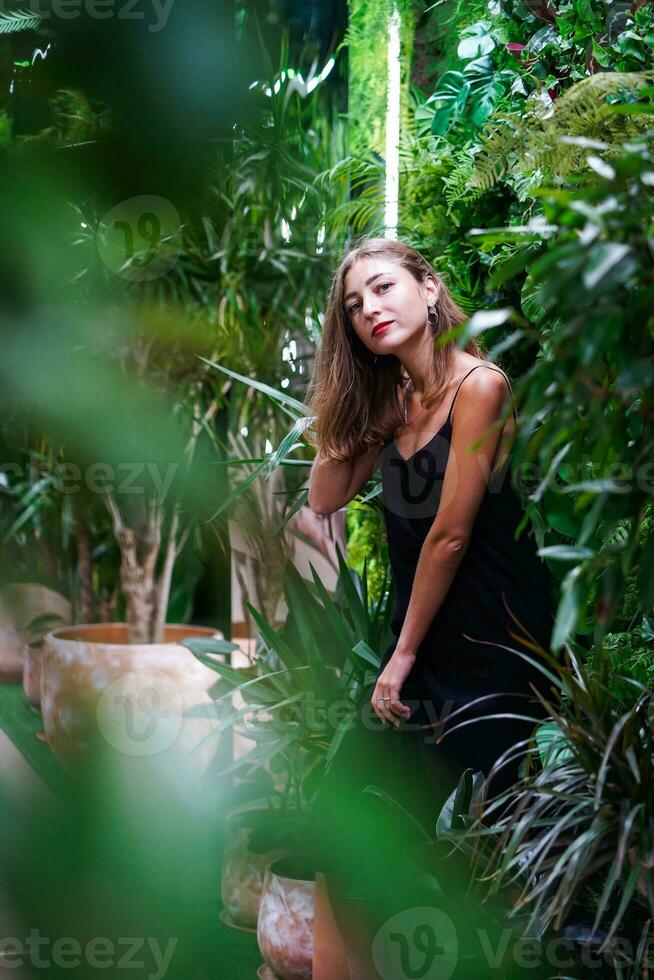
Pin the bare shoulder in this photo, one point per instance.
(491, 379)
(484, 392)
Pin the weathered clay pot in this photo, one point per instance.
(39, 601)
(285, 926)
(244, 869)
(96, 686)
(20, 604)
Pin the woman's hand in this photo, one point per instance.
(388, 686)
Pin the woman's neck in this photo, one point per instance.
(419, 382)
(416, 362)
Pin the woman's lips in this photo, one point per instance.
(381, 327)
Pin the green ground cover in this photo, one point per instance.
(22, 725)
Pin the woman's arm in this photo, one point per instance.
(478, 407)
(332, 484)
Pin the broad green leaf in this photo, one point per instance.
(603, 257)
(475, 47)
(552, 745)
(569, 608)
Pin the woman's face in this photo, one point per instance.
(386, 305)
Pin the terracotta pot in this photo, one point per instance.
(20, 604)
(244, 869)
(23, 602)
(285, 926)
(96, 687)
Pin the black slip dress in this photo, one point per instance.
(462, 657)
(501, 592)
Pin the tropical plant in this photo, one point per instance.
(246, 264)
(594, 434)
(301, 692)
(574, 835)
(528, 58)
(265, 466)
(261, 254)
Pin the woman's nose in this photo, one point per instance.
(370, 305)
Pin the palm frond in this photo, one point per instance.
(18, 20)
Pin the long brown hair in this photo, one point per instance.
(354, 397)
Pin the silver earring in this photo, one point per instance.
(432, 317)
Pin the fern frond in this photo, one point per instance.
(586, 100)
(528, 146)
(472, 178)
(18, 20)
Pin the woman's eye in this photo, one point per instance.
(382, 285)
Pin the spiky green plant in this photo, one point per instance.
(579, 821)
(320, 659)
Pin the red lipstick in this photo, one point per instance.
(380, 326)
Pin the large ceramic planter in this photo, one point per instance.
(97, 688)
(247, 853)
(285, 926)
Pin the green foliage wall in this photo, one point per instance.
(367, 43)
(526, 179)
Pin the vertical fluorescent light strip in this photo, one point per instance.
(393, 126)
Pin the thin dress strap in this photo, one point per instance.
(449, 416)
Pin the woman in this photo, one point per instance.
(438, 421)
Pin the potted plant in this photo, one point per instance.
(320, 657)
